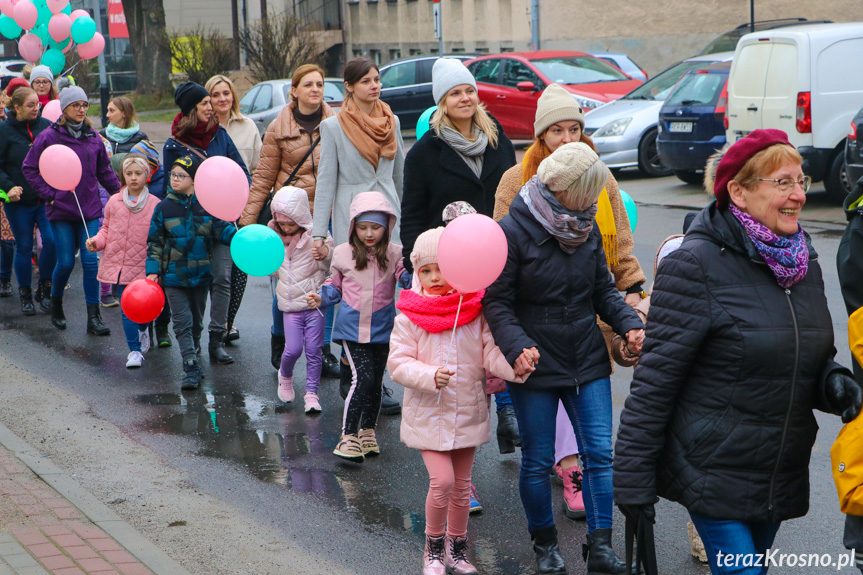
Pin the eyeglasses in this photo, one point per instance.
(786, 185)
(41, 83)
(178, 177)
(80, 105)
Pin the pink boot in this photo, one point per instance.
(456, 557)
(433, 556)
(573, 500)
(286, 388)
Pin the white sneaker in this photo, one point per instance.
(135, 359)
(144, 338)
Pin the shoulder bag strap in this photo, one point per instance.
(294, 173)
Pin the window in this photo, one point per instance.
(658, 87)
(375, 55)
(507, 49)
(424, 70)
(578, 70)
(415, 51)
(697, 89)
(486, 71)
(246, 101)
(264, 99)
(399, 75)
(333, 92)
(519, 72)
(395, 54)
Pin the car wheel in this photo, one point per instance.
(648, 157)
(690, 176)
(837, 182)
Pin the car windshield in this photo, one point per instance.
(697, 89)
(578, 70)
(724, 43)
(658, 87)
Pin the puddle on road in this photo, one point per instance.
(276, 445)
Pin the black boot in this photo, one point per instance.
(345, 378)
(217, 348)
(95, 325)
(27, 307)
(599, 555)
(5, 288)
(389, 405)
(44, 296)
(548, 558)
(330, 366)
(163, 339)
(277, 348)
(57, 316)
(192, 375)
(508, 437)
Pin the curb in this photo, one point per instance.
(142, 548)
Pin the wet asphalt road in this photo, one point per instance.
(274, 463)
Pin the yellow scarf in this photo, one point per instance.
(604, 214)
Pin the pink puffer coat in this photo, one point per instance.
(461, 419)
(299, 265)
(123, 240)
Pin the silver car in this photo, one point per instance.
(624, 131)
(263, 102)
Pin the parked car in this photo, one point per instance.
(692, 121)
(509, 84)
(727, 42)
(14, 68)
(806, 81)
(624, 62)
(406, 85)
(624, 131)
(263, 102)
(854, 150)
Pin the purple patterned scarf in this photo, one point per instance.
(788, 257)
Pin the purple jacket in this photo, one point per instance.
(60, 204)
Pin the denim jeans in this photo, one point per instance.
(502, 400)
(69, 236)
(730, 537)
(589, 410)
(23, 219)
(130, 328)
(7, 255)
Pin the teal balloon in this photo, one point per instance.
(423, 122)
(44, 16)
(9, 28)
(67, 10)
(257, 250)
(59, 45)
(83, 30)
(54, 59)
(42, 33)
(631, 209)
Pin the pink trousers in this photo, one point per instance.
(448, 499)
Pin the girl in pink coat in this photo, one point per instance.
(303, 272)
(446, 410)
(123, 241)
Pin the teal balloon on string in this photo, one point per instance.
(257, 250)
(44, 15)
(8, 27)
(83, 30)
(423, 122)
(42, 33)
(54, 59)
(631, 209)
(59, 45)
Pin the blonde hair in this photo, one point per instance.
(235, 105)
(766, 162)
(302, 72)
(481, 119)
(18, 97)
(126, 106)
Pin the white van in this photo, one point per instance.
(806, 81)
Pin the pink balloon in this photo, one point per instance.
(56, 6)
(51, 111)
(92, 48)
(60, 167)
(472, 252)
(26, 14)
(69, 46)
(30, 47)
(59, 27)
(7, 7)
(77, 14)
(222, 187)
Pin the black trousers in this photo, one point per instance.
(367, 362)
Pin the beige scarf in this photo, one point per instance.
(373, 135)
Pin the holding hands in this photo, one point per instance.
(526, 362)
(320, 251)
(313, 299)
(153, 277)
(91, 245)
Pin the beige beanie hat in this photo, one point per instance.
(425, 248)
(556, 104)
(566, 165)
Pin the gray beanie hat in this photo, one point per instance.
(41, 72)
(71, 95)
(447, 73)
(556, 104)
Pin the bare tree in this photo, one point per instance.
(276, 45)
(150, 48)
(201, 53)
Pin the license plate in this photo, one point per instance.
(680, 127)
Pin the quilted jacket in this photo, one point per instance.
(16, 137)
(123, 241)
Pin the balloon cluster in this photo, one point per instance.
(50, 29)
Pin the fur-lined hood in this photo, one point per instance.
(710, 170)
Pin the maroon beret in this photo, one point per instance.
(737, 155)
(15, 84)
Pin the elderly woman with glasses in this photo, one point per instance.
(739, 352)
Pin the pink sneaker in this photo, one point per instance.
(313, 405)
(286, 388)
(573, 500)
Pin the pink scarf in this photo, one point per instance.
(437, 314)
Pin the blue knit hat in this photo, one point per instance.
(379, 218)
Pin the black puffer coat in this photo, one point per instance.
(124, 147)
(548, 299)
(16, 137)
(720, 412)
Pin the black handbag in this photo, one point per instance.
(266, 213)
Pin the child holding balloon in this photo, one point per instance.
(364, 274)
(446, 410)
(301, 273)
(182, 235)
(123, 241)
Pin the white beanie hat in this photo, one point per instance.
(568, 164)
(447, 73)
(425, 248)
(556, 104)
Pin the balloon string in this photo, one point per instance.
(451, 339)
(72, 69)
(304, 291)
(80, 211)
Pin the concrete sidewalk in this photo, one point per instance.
(50, 524)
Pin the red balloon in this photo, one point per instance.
(142, 301)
